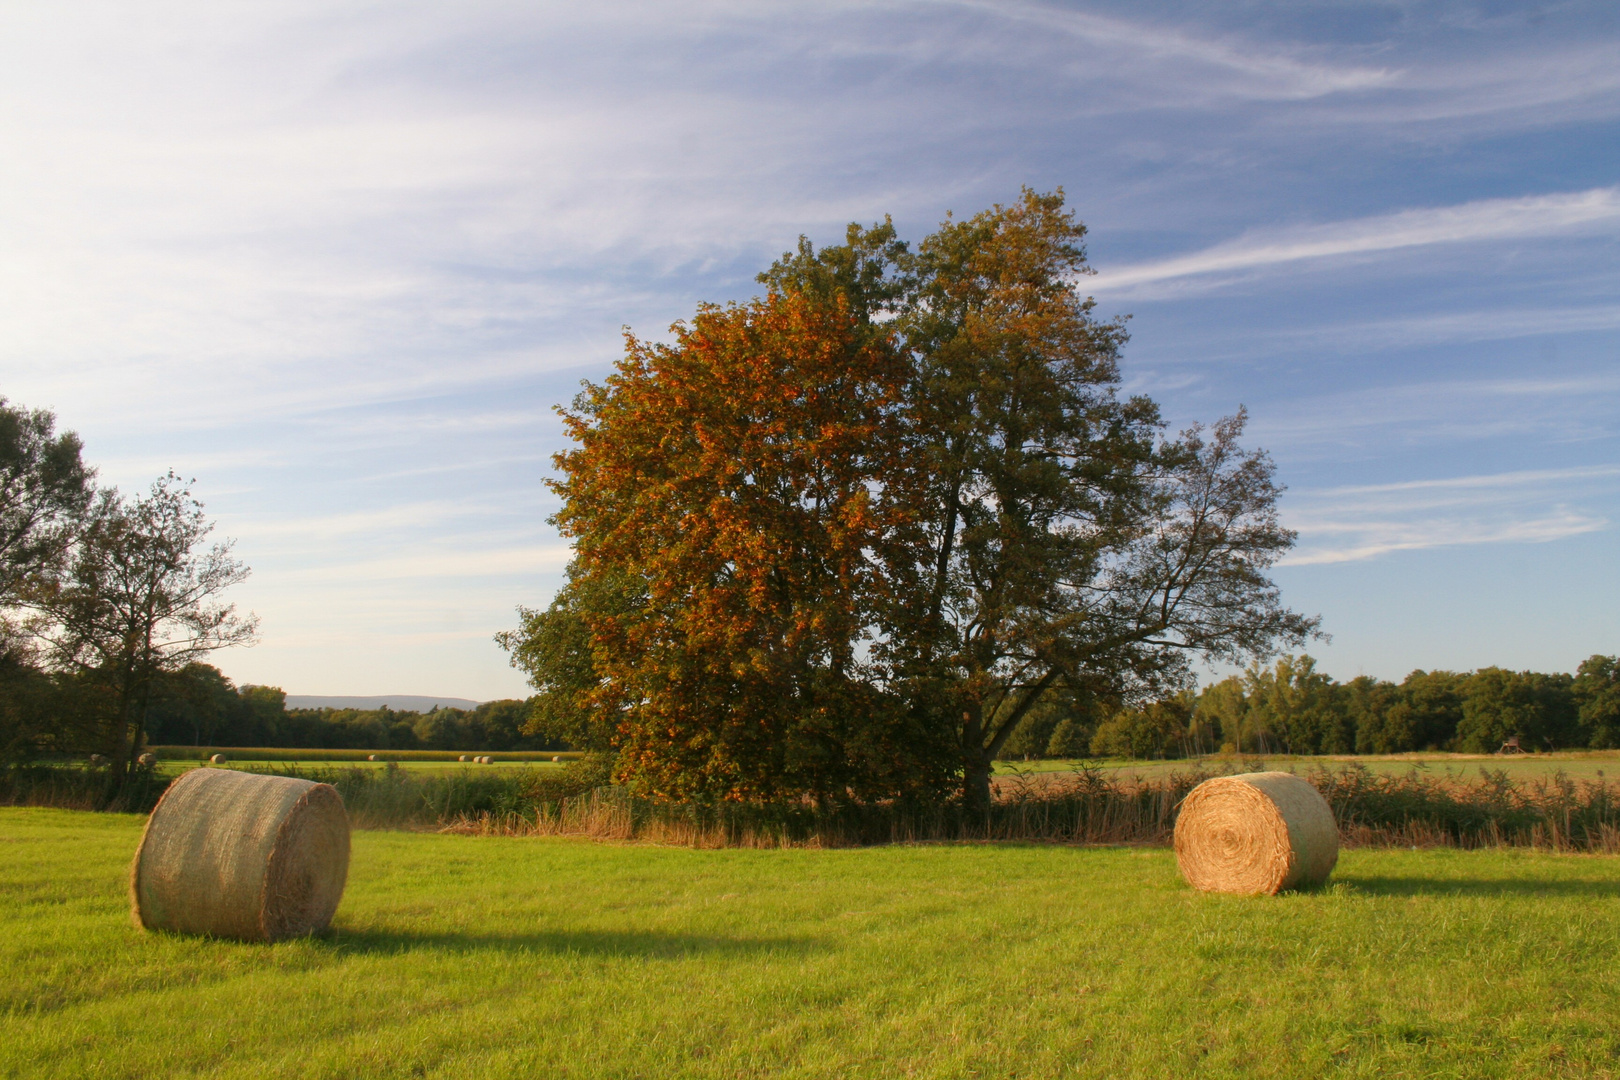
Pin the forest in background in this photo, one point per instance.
(1287, 708)
(1292, 708)
(200, 706)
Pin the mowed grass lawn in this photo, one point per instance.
(458, 956)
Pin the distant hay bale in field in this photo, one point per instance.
(463, 757)
(219, 759)
(148, 759)
(1255, 833)
(241, 855)
(486, 760)
(97, 760)
(371, 757)
(558, 758)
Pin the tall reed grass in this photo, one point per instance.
(1091, 807)
(78, 788)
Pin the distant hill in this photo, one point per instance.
(400, 702)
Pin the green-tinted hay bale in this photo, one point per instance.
(241, 855)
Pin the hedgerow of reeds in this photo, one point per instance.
(1091, 807)
(1088, 806)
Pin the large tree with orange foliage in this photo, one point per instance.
(850, 535)
(736, 490)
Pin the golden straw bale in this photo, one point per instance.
(463, 757)
(241, 855)
(1256, 833)
(219, 759)
(148, 759)
(371, 757)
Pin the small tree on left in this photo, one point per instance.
(45, 489)
(139, 596)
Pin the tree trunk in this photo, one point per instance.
(975, 767)
(118, 755)
(976, 789)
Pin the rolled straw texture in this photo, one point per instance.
(239, 855)
(1256, 833)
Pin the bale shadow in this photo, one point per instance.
(606, 943)
(1418, 886)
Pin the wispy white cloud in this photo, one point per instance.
(1594, 210)
(1271, 72)
(1375, 538)
(1491, 482)
(1364, 521)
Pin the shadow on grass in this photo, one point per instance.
(1417, 886)
(623, 943)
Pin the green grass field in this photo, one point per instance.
(458, 956)
(172, 767)
(1580, 765)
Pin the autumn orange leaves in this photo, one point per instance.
(747, 478)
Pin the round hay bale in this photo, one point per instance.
(241, 855)
(371, 757)
(463, 757)
(148, 759)
(96, 760)
(556, 758)
(1256, 833)
(218, 759)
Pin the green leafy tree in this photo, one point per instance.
(556, 649)
(1426, 712)
(196, 704)
(1066, 544)
(1296, 706)
(45, 488)
(140, 596)
(1225, 706)
(1539, 710)
(1159, 729)
(1597, 697)
(1365, 703)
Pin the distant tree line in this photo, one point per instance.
(199, 706)
(1292, 708)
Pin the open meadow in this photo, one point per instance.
(466, 956)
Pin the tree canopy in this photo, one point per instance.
(840, 541)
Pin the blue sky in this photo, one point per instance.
(339, 260)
